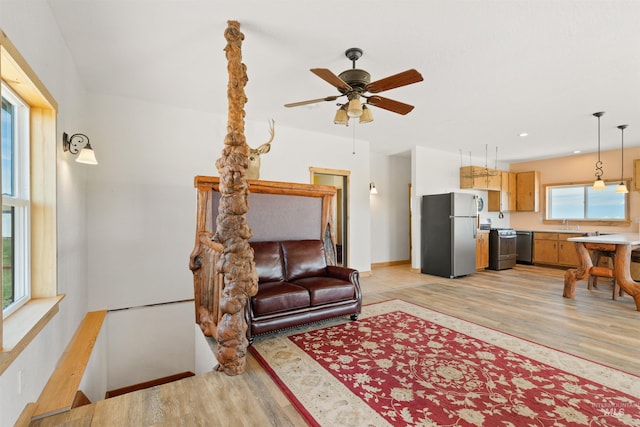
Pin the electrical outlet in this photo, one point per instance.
(637, 220)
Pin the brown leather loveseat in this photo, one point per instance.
(296, 286)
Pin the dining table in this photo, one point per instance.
(620, 245)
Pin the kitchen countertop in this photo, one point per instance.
(612, 239)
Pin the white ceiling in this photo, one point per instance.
(492, 69)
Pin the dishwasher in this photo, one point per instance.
(524, 247)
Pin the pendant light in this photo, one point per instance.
(622, 187)
(598, 184)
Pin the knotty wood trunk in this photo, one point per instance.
(232, 230)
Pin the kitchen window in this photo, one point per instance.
(16, 287)
(580, 202)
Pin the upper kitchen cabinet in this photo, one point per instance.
(528, 191)
(505, 199)
(480, 178)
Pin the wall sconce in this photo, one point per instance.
(79, 143)
(372, 188)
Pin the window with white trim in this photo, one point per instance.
(16, 287)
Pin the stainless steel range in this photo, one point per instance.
(502, 248)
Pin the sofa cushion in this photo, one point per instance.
(274, 297)
(326, 290)
(303, 258)
(268, 259)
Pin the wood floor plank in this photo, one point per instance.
(525, 301)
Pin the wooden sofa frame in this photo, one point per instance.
(207, 281)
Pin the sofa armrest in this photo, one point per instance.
(343, 273)
(350, 275)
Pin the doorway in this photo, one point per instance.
(339, 179)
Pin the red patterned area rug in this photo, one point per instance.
(404, 365)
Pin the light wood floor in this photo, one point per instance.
(525, 301)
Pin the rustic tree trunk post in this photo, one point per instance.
(232, 230)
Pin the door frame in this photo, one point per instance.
(342, 221)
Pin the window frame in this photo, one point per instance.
(22, 326)
(19, 200)
(587, 221)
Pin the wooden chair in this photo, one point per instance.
(596, 258)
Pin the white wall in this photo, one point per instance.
(390, 208)
(31, 28)
(162, 327)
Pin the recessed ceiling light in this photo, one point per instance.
(577, 151)
(523, 134)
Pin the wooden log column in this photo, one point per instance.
(572, 275)
(232, 231)
(622, 267)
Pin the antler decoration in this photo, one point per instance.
(253, 171)
(232, 230)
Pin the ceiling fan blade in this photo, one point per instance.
(397, 80)
(311, 101)
(390, 104)
(332, 79)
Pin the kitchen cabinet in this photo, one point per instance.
(482, 249)
(527, 191)
(545, 248)
(567, 253)
(480, 178)
(505, 199)
(554, 249)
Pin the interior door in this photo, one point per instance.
(340, 180)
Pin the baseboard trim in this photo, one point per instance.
(147, 384)
(390, 263)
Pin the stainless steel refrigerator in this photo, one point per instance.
(449, 226)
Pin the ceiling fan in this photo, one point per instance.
(355, 84)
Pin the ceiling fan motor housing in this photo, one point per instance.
(355, 78)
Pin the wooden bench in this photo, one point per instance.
(61, 389)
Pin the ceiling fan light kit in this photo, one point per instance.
(367, 116)
(341, 116)
(355, 84)
(355, 108)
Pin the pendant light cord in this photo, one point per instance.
(622, 128)
(353, 150)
